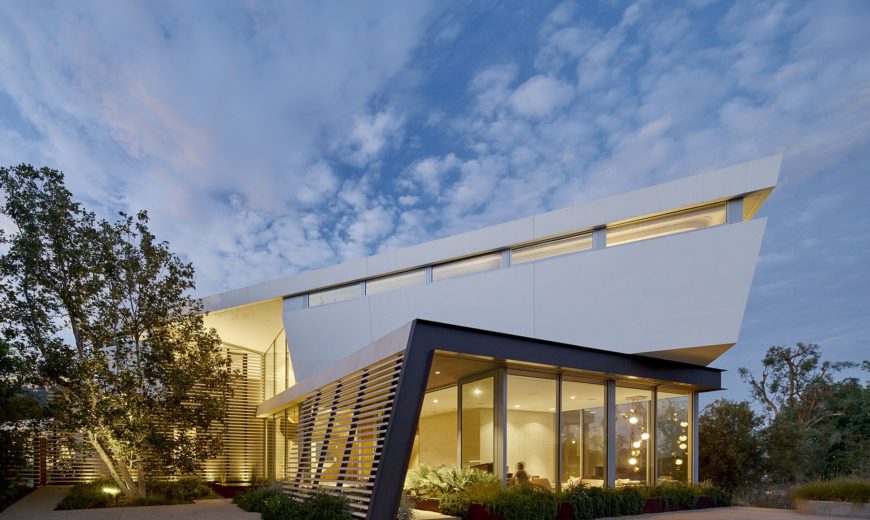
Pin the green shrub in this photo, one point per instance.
(522, 503)
(592, 502)
(182, 490)
(280, 507)
(88, 496)
(428, 483)
(253, 499)
(839, 490)
(405, 506)
(718, 496)
(454, 504)
(674, 494)
(324, 506)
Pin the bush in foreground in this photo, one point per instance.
(840, 490)
(274, 504)
(254, 499)
(593, 502)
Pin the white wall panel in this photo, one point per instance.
(319, 336)
(678, 291)
(496, 300)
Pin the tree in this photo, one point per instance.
(793, 378)
(729, 451)
(102, 314)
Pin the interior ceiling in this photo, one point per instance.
(251, 326)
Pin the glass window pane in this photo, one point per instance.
(584, 441)
(435, 444)
(552, 248)
(395, 281)
(666, 225)
(531, 430)
(672, 437)
(477, 424)
(336, 294)
(467, 266)
(632, 435)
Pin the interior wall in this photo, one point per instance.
(531, 438)
(437, 444)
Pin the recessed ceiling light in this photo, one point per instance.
(573, 397)
(552, 409)
(516, 406)
(478, 391)
(435, 401)
(437, 372)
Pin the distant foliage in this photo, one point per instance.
(730, 452)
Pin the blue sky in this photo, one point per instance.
(267, 138)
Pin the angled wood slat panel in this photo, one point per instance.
(333, 439)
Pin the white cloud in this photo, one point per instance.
(370, 135)
(540, 95)
(429, 173)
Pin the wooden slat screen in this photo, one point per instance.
(336, 442)
(70, 461)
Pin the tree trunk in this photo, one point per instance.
(118, 472)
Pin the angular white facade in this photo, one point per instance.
(680, 296)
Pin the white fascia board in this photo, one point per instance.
(721, 184)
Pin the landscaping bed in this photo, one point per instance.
(840, 497)
(104, 493)
(474, 495)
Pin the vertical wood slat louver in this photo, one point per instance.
(335, 436)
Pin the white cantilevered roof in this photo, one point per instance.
(758, 176)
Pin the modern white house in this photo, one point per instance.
(576, 341)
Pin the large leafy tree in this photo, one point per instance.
(729, 451)
(817, 423)
(797, 381)
(102, 314)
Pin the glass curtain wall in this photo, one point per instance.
(672, 436)
(559, 433)
(279, 373)
(435, 443)
(478, 424)
(584, 434)
(531, 430)
(633, 423)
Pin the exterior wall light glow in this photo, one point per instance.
(644, 436)
(678, 462)
(635, 444)
(632, 419)
(111, 490)
(683, 438)
(683, 446)
(632, 461)
(684, 424)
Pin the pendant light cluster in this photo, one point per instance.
(638, 436)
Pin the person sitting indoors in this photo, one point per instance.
(520, 477)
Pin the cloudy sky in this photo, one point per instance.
(267, 138)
